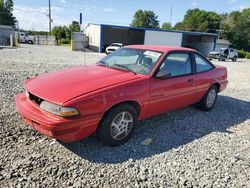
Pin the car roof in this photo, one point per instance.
(161, 48)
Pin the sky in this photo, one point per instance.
(33, 14)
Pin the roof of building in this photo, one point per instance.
(222, 41)
(161, 48)
(6, 27)
(155, 29)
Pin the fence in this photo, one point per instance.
(44, 40)
(7, 35)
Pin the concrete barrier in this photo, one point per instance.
(7, 35)
(44, 40)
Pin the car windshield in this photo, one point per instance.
(116, 45)
(134, 60)
(218, 50)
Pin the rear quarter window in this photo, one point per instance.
(202, 65)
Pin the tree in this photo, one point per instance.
(146, 18)
(179, 26)
(6, 16)
(63, 33)
(236, 29)
(200, 20)
(74, 26)
(166, 26)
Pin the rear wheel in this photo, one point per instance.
(117, 125)
(234, 59)
(30, 41)
(209, 99)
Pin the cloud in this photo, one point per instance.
(231, 1)
(63, 1)
(194, 4)
(241, 7)
(108, 9)
(37, 18)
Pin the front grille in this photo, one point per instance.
(35, 99)
(213, 55)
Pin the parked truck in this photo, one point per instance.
(26, 39)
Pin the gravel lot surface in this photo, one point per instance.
(190, 148)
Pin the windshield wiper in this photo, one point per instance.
(103, 63)
(125, 67)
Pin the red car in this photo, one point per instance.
(133, 83)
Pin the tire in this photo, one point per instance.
(113, 127)
(220, 58)
(234, 59)
(211, 95)
(30, 42)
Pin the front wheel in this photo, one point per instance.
(209, 99)
(117, 125)
(220, 58)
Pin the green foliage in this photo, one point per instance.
(236, 29)
(64, 41)
(74, 27)
(6, 16)
(199, 20)
(235, 26)
(29, 32)
(146, 18)
(63, 33)
(166, 26)
(248, 56)
(179, 26)
(242, 53)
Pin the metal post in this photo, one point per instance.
(49, 18)
(11, 40)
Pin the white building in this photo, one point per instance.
(102, 35)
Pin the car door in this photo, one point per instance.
(176, 91)
(202, 77)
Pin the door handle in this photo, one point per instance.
(190, 80)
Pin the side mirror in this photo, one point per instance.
(163, 76)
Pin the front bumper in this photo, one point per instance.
(64, 129)
(213, 56)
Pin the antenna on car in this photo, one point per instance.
(83, 33)
(84, 53)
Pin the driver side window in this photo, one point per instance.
(176, 64)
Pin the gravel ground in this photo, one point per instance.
(190, 148)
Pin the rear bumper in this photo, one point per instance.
(223, 85)
(64, 129)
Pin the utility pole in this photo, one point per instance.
(171, 14)
(49, 18)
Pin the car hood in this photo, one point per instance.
(61, 86)
(113, 47)
(214, 53)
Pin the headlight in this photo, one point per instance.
(58, 110)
